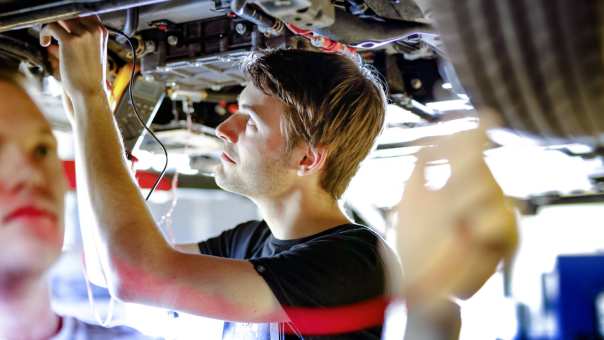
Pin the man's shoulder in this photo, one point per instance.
(248, 229)
(340, 243)
(250, 225)
(348, 242)
(350, 232)
(235, 242)
(243, 230)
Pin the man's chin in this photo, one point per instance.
(230, 184)
(222, 180)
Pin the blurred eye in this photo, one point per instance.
(41, 151)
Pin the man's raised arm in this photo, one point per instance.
(139, 264)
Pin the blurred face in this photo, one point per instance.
(255, 162)
(32, 186)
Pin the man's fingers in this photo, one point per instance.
(73, 26)
(53, 51)
(45, 38)
(489, 227)
(471, 175)
(53, 30)
(53, 59)
(92, 22)
(465, 145)
(494, 226)
(60, 30)
(463, 198)
(462, 149)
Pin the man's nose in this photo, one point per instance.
(18, 169)
(229, 129)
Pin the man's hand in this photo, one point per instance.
(451, 239)
(82, 55)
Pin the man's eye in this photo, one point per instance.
(41, 151)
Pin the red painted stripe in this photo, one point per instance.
(145, 179)
(336, 320)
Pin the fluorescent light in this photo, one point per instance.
(437, 176)
(405, 135)
(396, 115)
(507, 137)
(450, 105)
(575, 148)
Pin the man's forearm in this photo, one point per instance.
(122, 221)
(140, 264)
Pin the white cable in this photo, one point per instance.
(95, 312)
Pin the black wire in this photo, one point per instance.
(133, 104)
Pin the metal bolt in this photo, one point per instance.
(241, 28)
(150, 46)
(416, 84)
(172, 40)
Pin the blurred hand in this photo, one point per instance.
(81, 53)
(451, 240)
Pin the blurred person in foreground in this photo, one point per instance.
(32, 189)
(450, 239)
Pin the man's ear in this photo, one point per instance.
(312, 160)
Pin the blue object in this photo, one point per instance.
(580, 282)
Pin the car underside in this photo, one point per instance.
(188, 76)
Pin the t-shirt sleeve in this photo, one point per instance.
(330, 271)
(217, 246)
(226, 244)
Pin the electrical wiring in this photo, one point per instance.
(135, 109)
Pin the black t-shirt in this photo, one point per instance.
(337, 267)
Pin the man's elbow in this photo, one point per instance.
(127, 283)
(121, 292)
(122, 288)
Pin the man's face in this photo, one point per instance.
(32, 187)
(255, 162)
